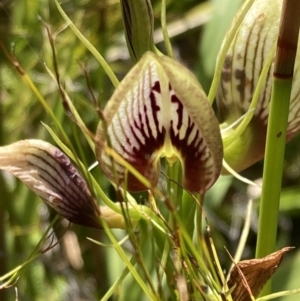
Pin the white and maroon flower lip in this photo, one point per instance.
(243, 66)
(160, 109)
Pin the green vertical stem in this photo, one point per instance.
(174, 172)
(187, 212)
(165, 30)
(277, 127)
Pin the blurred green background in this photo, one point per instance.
(76, 269)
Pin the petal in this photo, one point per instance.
(49, 173)
(134, 125)
(194, 130)
(158, 108)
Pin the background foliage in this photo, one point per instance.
(76, 269)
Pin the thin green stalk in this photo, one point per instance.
(184, 201)
(187, 211)
(3, 212)
(273, 168)
(199, 227)
(165, 30)
(174, 172)
(277, 127)
(244, 235)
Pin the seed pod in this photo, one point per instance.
(160, 109)
(244, 62)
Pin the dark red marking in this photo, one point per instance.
(143, 156)
(194, 168)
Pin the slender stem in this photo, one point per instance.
(165, 30)
(277, 127)
(187, 212)
(4, 196)
(174, 172)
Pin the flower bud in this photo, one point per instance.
(49, 173)
(138, 24)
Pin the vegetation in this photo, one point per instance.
(173, 233)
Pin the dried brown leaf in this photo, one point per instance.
(250, 276)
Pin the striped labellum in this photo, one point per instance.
(160, 109)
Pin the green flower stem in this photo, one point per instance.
(128, 263)
(276, 133)
(188, 211)
(184, 201)
(174, 172)
(273, 168)
(165, 30)
(4, 195)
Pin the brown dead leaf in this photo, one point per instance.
(250, 276)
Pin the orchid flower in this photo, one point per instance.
(49, 173)
(252, 48)
(158, 109)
